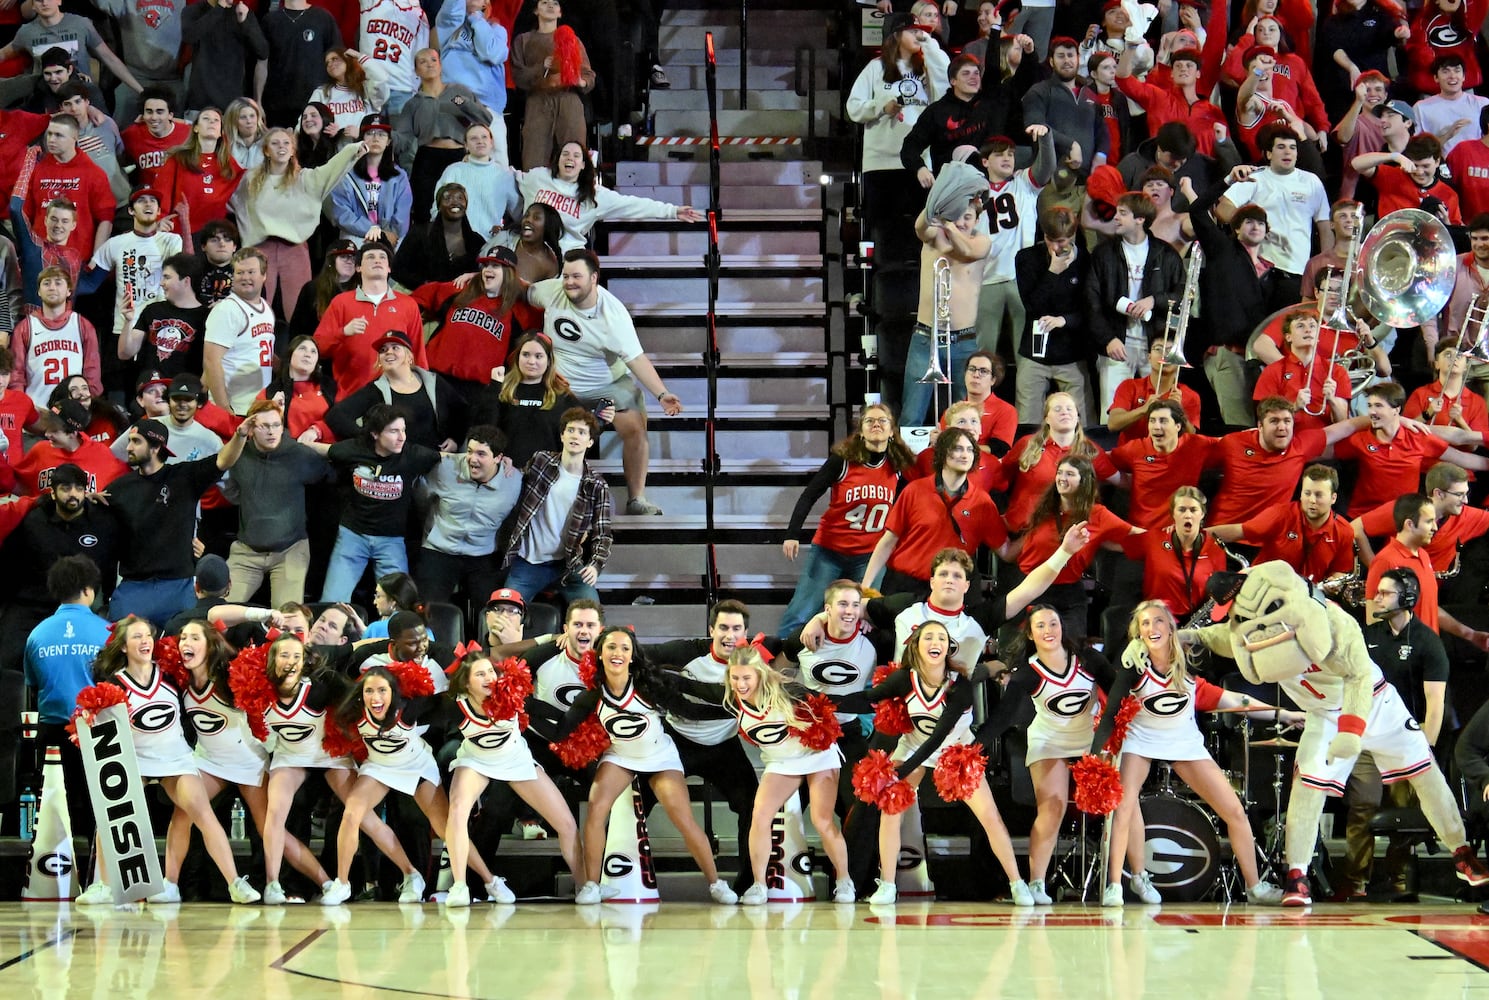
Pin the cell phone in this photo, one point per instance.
(603, 403)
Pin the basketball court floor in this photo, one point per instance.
(808, 950)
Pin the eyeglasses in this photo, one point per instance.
(1455, 494)
(875, 421)
(979, 370)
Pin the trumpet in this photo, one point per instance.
(1455, 567)
(1348, 589)
(935, 373)
(1338, 320)
(1176, 327)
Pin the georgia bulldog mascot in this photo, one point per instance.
(1281, 629)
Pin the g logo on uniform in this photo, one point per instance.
(206, 723)
(385, 744)
(567, 693)
(567, 329)
(492, 740)
(925, 725)
(625, 726)
(1069, 704)
(834, 672)
(153, 718)
(1166, 703)
(769, 734)
(292, 732)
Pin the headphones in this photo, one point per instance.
(1409, 586)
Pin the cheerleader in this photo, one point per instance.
(227, 753)
(492, 749)
(1155, 672)
(937, 691)
(628, 701)
(398, 759)
(769, 714)
(161, 750)
(296, 723)
(1064, 682)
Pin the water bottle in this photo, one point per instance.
(238, 832)
(28, 814)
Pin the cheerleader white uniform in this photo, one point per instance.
(638, 742)
(397, 756)
(1065, 711)
(556, 681)
(839, 667)
(781, 748)
(492, 747)
(296, 730)
(155, 722)
(1164, 727)
(225, 747)
(926, 708)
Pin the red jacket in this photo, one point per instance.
(353, 361)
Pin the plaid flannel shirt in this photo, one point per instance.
(588, 523)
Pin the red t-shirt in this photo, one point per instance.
(306, 410)
(1462, 527)
(1396, 190)
(857, 508)
(1256, 479)
(1000, 420)
(1473, 407)
(35, 470)
(986, 476)
(1108, 116)
(205, 190)
(1155, 476)
(147, 152)
(1389, 469)
(1285, 378)
(1172, 574)
(1283, 533)
(1045, 537)
(17, 411)
(80, 181)
(1136, 393)
(1027, 487)
(18, 129)
(1392, 555)
(926, 522)
(1469, 162)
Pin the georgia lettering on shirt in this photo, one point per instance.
(561, 203)
(390, 28)
(871, 491)
(170, 336)
(44, 484)
(369, 482)
(484, 320)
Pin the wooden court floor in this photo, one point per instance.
(779, 952)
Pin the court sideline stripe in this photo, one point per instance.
(39, 948)
(310, 939)
(1479, 960)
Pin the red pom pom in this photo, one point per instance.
(1126, 712)
(584, 745)
(168, 659)
(253, 692)
(896, 798)
(589, 667)
(823, 729)
(340, 744)
(876, 782)
(568, 56)
(413, 680)
(514, 685)
(1098, 785)
(92, 700)
(891, 717)
(959, 771)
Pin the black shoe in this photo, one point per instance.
(659, 79)
(1405, 897)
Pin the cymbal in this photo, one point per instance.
(1279, 743)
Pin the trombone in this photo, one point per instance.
(936, 372)
(1176, 326)
(1338, 321)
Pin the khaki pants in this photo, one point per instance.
(1363, 796)
(286, 572)
(1226, 371)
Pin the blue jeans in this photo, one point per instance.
(396, 100)
(531, 579)
(916, 395)
(156, 600)
(350, 557)
(819, 567)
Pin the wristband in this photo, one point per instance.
(258, 615)
(1353, 724)
(1059, 559)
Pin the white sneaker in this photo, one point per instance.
(588, 894)
(1141, 885)
(97, 894)
(845, 892)
(459, 895)
(411, 890)
(608, 892)
(335, 892)
(1112, 895)
(1019, 890)
(239, 891)
(755, 895)
(497, 890)
(885, 895)
(274, 895)
(1264, 893)
(531, 829)
(722, 894)
(1036, 889)
(171, 893)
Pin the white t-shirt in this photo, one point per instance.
(1009, 220)
(1436, 114)
(136, 262)
(1136, 256)
(590, 346)
(544, 541)
(1294, 202)
(247, 331)
(392, 31)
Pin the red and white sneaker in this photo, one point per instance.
(1470, 868)
(1296, 891)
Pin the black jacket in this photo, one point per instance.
(1046, 294)
(42, 538)
(1163, 278)
(951, 122)
(1233, 299)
